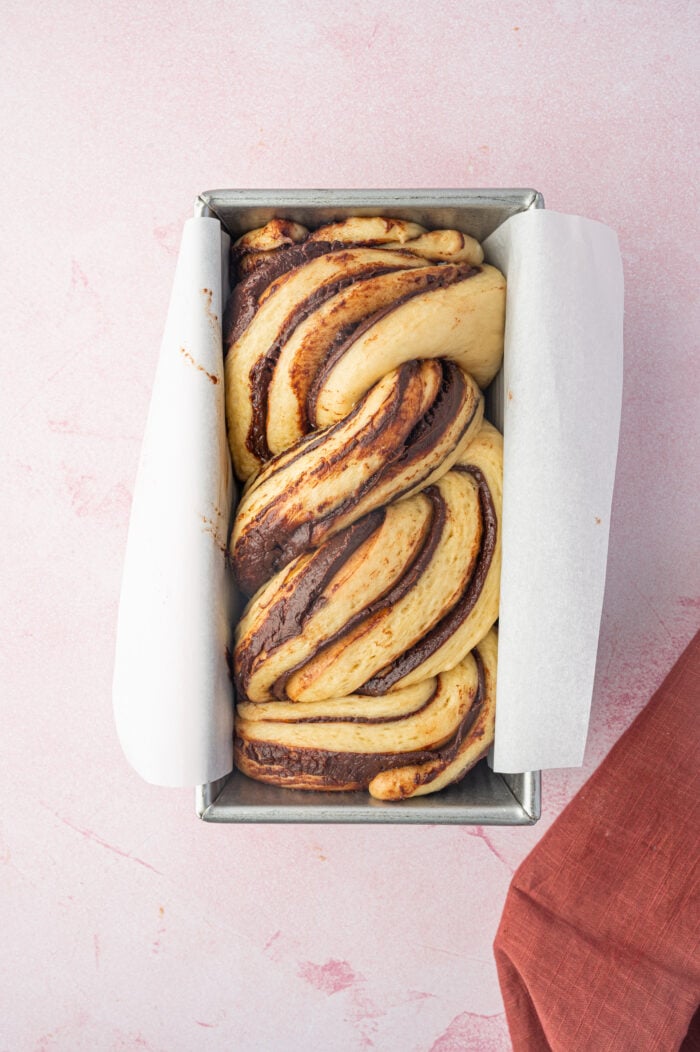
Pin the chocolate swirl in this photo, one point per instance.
(295, 755)
(368, 532)
(411, 426)
(318, 318)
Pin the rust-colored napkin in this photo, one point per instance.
(598, 949)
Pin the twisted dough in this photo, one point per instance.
(367, 328)
(407, 430)
(368, 532)
(425, 737)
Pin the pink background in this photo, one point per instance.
(126, 923)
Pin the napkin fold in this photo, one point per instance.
(598, 944)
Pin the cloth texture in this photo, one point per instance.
(598, 949)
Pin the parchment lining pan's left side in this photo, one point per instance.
(172, 693)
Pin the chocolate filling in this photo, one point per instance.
(449, 624)
(447, 753)
(286, 229)
(338, 769)
(427, 433)
(384, 602)
(362, 719)
(448, 274)
(261, 374)
(271, 541)
(287, 616)
(243, 301)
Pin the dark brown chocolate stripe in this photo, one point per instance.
(433, 424)
(305, 445)
(245, 294)
(261, 374)
(449, 624)
(427, 432)
(406, 582)
(361, 719)
(332, 768)
(447, 274)
(343, 768)
(309, 442)
(285, 228)
(287, 616)
(243, 301)
(446, 754)
(267, 546)
(269, 543)
(415, 571)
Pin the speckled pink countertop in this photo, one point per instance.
(126, 923)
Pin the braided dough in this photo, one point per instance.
(368, 533)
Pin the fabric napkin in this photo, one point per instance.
(598, 948)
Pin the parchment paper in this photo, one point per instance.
(172, 693)
(562, 382)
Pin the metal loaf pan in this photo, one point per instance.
(482, 797)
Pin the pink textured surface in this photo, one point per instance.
(126, 923)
